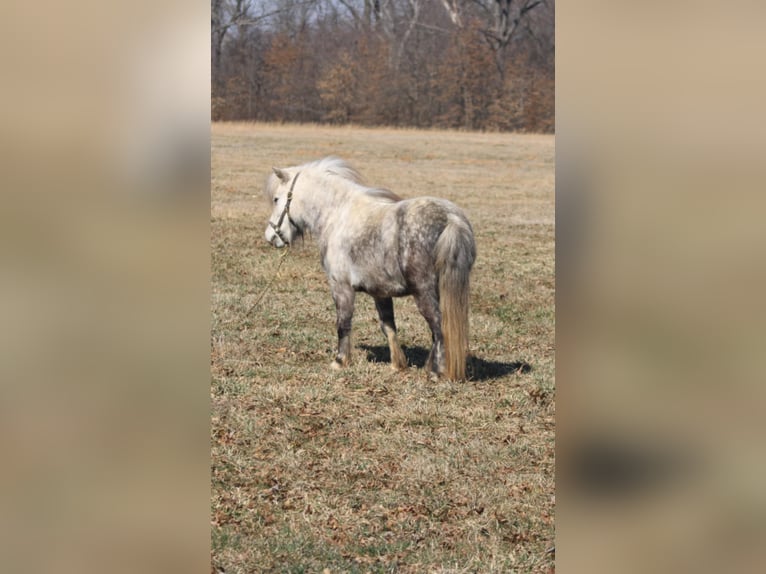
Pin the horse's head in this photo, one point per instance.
(282, 229)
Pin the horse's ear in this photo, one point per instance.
(281, 174)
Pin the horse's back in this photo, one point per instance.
(422, 222)
(424, 219)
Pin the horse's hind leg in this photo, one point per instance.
(428, 305)
(343, 295)
(385, 309)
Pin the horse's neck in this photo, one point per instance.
(323, 207)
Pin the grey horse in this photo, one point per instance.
(373, 241)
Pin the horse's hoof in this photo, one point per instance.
(433, 377)
(399, 363)
(336, 366)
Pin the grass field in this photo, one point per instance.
(367, 469)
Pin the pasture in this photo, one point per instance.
(368, 469)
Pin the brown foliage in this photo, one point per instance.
(356, 87)
(289, 80)
(333, 73)
(524, 102)
(337, 89)
(465, 81)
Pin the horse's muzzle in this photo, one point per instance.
(276, 237)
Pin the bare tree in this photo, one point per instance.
(454, 9)
(223, 15)
(476, 64)
(506, 18)
(364, 12)
(227, 15)
(501, 20)
(392, 20)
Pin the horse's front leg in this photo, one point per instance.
(343, 295)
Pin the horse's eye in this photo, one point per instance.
(276, 200)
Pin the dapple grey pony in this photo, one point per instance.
(373, 241)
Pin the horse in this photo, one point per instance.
(373, 241)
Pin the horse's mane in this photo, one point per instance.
(333, 165)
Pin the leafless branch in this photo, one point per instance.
(453, 10)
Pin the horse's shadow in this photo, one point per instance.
(477, 369)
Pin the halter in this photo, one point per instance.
(285, 212)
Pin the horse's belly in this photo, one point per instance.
(379, 284)
(382, 291)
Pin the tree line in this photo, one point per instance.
(466, 64)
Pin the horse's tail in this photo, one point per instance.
(455, 254)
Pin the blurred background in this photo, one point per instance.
(479, 64)
(104, 128)
(104, 418)
(660, 276)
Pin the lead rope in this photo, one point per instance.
(282, 257)
(285, 211)
(274, 278)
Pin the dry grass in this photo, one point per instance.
(369, 470)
